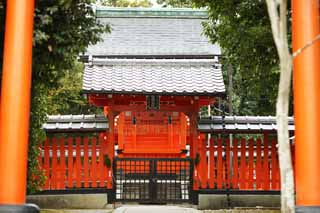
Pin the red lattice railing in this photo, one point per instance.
(78, 161)
(244, 164)
(75, 162)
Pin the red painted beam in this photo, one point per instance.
(15, 101)
(306, 75)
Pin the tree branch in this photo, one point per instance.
(299, 51)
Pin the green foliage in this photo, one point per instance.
(62, 30)
(36, 178)
(175, 3)
(107, 161)
(66, 98)
(127, 3)
(242, 29)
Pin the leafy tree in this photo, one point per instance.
(175, 3)
(62, 30)
(242, 29)
(127, 3)
(66, 98)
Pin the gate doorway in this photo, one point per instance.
(159, 180)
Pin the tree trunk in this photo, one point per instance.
(230, 88)
(278, 16)
(287, 183)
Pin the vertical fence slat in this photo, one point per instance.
(46, 164)
(58, 173)
(70, 162)
(266, 163)
(278, 181)
(203, 166)
(258, 164)
(243, 170)
(220, 164)
(78, 162)
(273, 165)
(211, 163)
(227, 169)
(54, 164)
(235, 168)
(85, 161)
(101, 164)
(62, 164)
(94, 162)
(250, 162)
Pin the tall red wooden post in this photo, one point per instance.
(306, 26)
(203, 165)
(194, 147)
(15, 104)
(110, 147)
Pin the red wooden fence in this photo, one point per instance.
(244, 164)
(75, 162)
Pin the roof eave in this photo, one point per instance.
(85, 58)
(211, 94)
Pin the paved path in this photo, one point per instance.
(154, 209)
(158, 209)
(76, 211)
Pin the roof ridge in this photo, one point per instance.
(103, 12)
(122, 61)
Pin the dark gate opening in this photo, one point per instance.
(148, 180)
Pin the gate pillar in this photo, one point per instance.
(109, 141)
(194, 152)
(15, 105)
(306, 75)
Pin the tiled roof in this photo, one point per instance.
(156, 76)
(76, 123)
(105, 12)
(234, 124)
(153, 32)
(241, 124)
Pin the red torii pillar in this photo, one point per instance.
(15, 106)
(306, 75)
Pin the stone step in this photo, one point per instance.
(71, 201)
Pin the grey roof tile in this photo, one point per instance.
(241, 124)
(102, 11)
(233, 124)
(76, 123)
(163, 76)
(148, 34)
